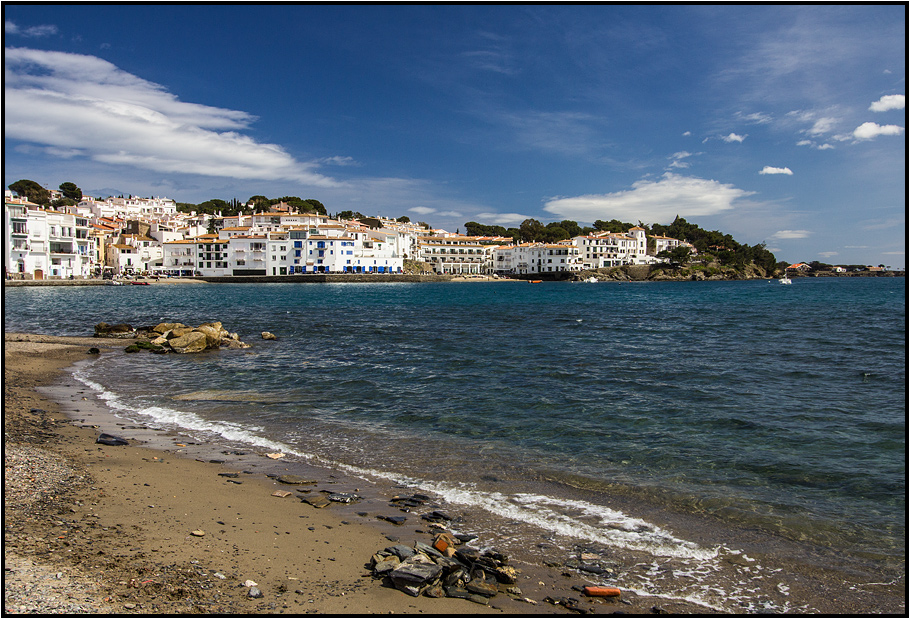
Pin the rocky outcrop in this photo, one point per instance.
(122, 330)
(173, 337)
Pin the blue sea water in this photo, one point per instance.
(768, 407)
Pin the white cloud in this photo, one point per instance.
(783, 235)
(72, 101)
(676, 159)
(687, 133)
(45, 30)
(501, 219)
(828, 254)
(888, 102)
(867, 131)
(652, 201)
(422, 210)
(822, 125)
(771, 170)
(733, 138)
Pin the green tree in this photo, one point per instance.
(62, 202)
(349, 215)
(531, 230)
(213, 206)
(554, 233)
(315, 206)
(404, 219)
(259, 204)
(614, 225)
(71, 191)
(679, 255)
(31, 191)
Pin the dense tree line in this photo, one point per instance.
(256, 204)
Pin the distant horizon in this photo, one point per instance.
(777, 124)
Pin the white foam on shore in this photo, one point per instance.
(573, 519)
(577, 519)
(187, 421)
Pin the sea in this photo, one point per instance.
(722, 437)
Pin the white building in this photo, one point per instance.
(537, 258)
(40, 243)
(666, 243)
(457, 255)
(610, 249)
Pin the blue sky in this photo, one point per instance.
(779, 124)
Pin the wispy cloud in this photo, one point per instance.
(734, 138)
(652, 201)
(567, 133)
(756, 118)
(814, 144)
(501, 219)
(772, 170)
(68, 101)
(35, 32)
(869, 130)
(828, 254)
(677, 159)
(888, 102)
(822, 126)
(786, 235)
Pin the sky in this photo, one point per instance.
(777, 124)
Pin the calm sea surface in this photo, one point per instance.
(776, 408)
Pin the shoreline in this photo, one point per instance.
(119, 528)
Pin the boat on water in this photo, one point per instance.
(113, 282)
(535, 281)
(140, 283)
(785, 280)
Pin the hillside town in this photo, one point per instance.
(133, 236)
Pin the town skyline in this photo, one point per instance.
(780, 124)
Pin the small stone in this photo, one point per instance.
(254, 592)
(268, 336)
(249, 583)
(281, 493)
(318, 501)
(197, 533)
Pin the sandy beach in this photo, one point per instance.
(100, 529)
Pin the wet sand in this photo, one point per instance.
(134, 529)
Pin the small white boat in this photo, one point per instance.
(113, 282)
(785, 280)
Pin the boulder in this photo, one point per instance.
(180, 332)
(268, 336)
(194, 341)
(212, 335)
(164, 327)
